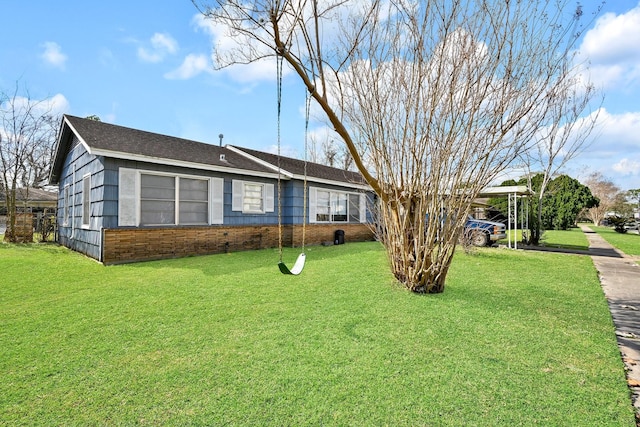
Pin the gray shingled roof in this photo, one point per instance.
(314, 170)
(118, 141)
(108, 137)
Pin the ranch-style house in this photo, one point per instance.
(128, 195)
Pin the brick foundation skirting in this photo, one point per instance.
(140, 244)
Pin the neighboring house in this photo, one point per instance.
(128, 195)
(34, 201)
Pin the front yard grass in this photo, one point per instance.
(629, 243)
(517, 338)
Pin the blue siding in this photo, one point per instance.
(104, 197)
(73, 235)
(293, 203)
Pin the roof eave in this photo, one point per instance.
(182, 163)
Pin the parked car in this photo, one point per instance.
(631, 224)
(481, 232)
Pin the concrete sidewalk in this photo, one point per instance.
(620, 278)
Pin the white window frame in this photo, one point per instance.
(86, 201)
(179, 200)
(333, 196)
(175, 199)
(66, 205)
(239, 189)
(129, 198)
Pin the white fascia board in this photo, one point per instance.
(76, 133)
(181, 163)
(363, 187)
(259, 161)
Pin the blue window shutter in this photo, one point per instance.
(269, 198)
(237, 195)
(217, 200)
(128, 197)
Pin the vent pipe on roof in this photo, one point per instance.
(221, 136)
(223, 157)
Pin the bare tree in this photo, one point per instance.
(564, 137)
(27, 137)
(433, 99)
(606, 192)
(634, 196)
(330, 152)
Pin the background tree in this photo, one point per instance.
(433, 99)
(606, 192)
(621, 212)
(566, 198)
(562, 139)
(330, 152)
(27, 137)
(634, 197)
(562, 203)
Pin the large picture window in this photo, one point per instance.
(336, 206)
(155, 198)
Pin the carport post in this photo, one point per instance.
(515, 220)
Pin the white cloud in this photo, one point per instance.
(55, 105)
(161, 45)
(191, 66)
(228, 43)
(58, 104)
(53, 55)
(619, 132)
(615, 151)
(627, 167)
(612, 49)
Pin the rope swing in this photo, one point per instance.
(300, 261)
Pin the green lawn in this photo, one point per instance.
(629, 243)
(516, 339)
(573, 238)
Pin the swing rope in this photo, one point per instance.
(305, 189)
(300, 261)
(279, 60)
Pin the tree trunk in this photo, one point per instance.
(420, 243)
(10, 200)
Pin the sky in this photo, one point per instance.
(147, 65)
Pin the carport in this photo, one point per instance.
(513, 193)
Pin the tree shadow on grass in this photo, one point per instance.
(575, 250)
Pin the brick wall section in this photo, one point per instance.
(140, 244)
